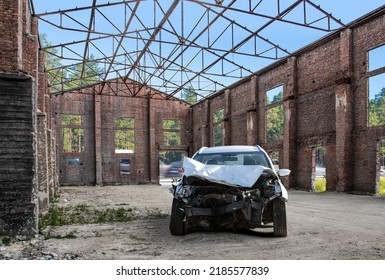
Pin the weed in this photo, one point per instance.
(381, 187)
(6, 240)
(156, 213)
(320, 185)
(83, 214)
(50, 235)
(56, 198)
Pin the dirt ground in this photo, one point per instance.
(320, 226)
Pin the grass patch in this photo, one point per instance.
(50, 234)
(86, 214)
(83, 214)
(156, 213)
(320, 185)
(381, 187)
(6, 240)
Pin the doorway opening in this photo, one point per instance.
(170, 165)
(380, 179)
(319, 169)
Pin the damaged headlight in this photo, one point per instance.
(183, 191)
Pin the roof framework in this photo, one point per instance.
(172, 45)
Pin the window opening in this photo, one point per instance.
(319, 169)
(125, 166)
(376, 102)
(73, 134)
(124, 135)
(376, 58)
(376, 86)
(171, 132)
(73, 161)
(218, 117)
(274, 114)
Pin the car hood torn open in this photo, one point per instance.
(231, 175)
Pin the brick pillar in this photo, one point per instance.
(152, 153)
(190, 133)
(261, 135)
(42, 153)
(344, 114)
(98, 139)
(205, 127)
(227, 119)
(52, 165)
(289, 152)
(30, 47)
(11, 36)
(252, 126)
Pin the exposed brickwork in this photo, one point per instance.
(28, 150)
(17, 156)
(325, 104)
(99, 114)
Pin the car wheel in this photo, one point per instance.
(279, 217)
(178, 225)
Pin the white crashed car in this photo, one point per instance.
(229, 187)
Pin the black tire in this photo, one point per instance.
(178, 225)
(279, 218)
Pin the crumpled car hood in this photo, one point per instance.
(232, 175)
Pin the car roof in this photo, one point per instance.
(229, 149)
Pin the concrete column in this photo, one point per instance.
(344, 115)
(98, 139)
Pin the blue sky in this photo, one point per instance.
(287, 36)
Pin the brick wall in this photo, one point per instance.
(325, 105)
(99, 162)
(28, 150)
(18, 188)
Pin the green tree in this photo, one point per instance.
(189, 95)
(52, 64)
(62, 77)
(274, 124)
(275, 120)
(376, 109)
(92, 74)
(171, 132)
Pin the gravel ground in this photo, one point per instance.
(320, 226)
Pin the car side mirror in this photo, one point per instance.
(284, 172)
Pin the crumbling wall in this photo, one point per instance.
(18, 191)
(325, 101)
(99, 164)
(26, 147)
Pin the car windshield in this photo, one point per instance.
(241, 158)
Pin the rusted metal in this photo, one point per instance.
(173, 49)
